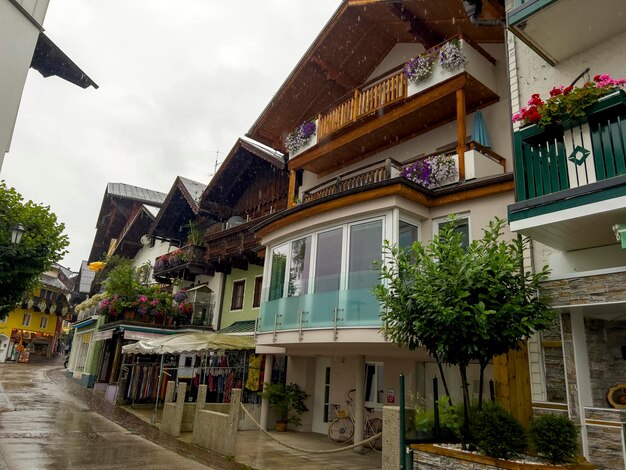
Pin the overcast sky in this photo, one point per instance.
(178, 81)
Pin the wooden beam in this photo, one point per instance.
(291, 193)
(461, 116)
(331, 73)
(420, 29)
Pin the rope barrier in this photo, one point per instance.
(310, 451)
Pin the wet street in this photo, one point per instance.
(43, 425)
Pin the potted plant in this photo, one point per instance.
(289, 402)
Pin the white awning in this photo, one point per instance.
(189, 342)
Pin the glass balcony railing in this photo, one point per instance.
(332, 309)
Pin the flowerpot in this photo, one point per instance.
(169, 321)
(129, 315)
(281, 426)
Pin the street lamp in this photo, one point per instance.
(17, 232)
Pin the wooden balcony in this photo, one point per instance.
(570, 178)
(387, 110)
(479, 162)
(184, 263)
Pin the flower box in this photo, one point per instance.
(429, 456)
(312, 141)
(477, 65)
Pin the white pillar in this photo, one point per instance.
(359, 402)
(267, 379)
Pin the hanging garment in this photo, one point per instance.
(254, 372)
(228, 387)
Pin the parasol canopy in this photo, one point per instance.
(189, 342)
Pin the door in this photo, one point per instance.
(321, 411)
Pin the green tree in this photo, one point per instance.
(462, 305)
(43, 244)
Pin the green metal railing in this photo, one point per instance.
(573, 154)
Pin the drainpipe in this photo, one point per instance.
(474, 8)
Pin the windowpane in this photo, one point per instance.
(43, 323)
(462, 227)
(239, 288)
(300, 267)
(407, 235)
(328, 260)
(26, 319)
(277, 275)
(365, 248)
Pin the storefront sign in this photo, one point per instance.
(24, 355)
(391, 395)
(139, 335)
(101, 335)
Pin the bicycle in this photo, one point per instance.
(341, 429)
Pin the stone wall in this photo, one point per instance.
(607, 368)
(555, 374)
(586, 290)
(605, 436)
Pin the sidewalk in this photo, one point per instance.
(254, 450)
(134, 424)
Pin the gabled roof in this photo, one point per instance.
(48, 59)
(130, 242)
(352, 45)
(181, 205)
(135, 193)
(119, 204)
(237, 170)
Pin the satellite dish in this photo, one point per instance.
(234, 221)
(145, 239)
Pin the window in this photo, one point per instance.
(256, 300)
(239, 288)
(328, 260)
(26, 319)
(300, 267)
(277, 275)
(43, 324)
(462, 227)
(407, 234)
(374, 385)
(365, 248)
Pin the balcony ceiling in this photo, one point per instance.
(352, 44)
(413, 116)
(559, 29)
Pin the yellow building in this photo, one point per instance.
(33, 328)
(33, 333)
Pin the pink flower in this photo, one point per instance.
(143, 298)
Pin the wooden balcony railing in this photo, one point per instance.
(573, 154)
(374, 173)
(365, 101)
(389, 168)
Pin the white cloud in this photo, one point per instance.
(177, 82)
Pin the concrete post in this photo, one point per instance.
(359, 402)
(200, 401)
(169, 392)
(267, 379)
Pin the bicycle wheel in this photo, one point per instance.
(373, 427)
(341, 430)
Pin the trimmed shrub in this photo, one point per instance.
(554, 437)
(497, 434)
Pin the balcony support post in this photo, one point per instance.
(461, 114)
(359, 403)
(292, 187)
(267, 379)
